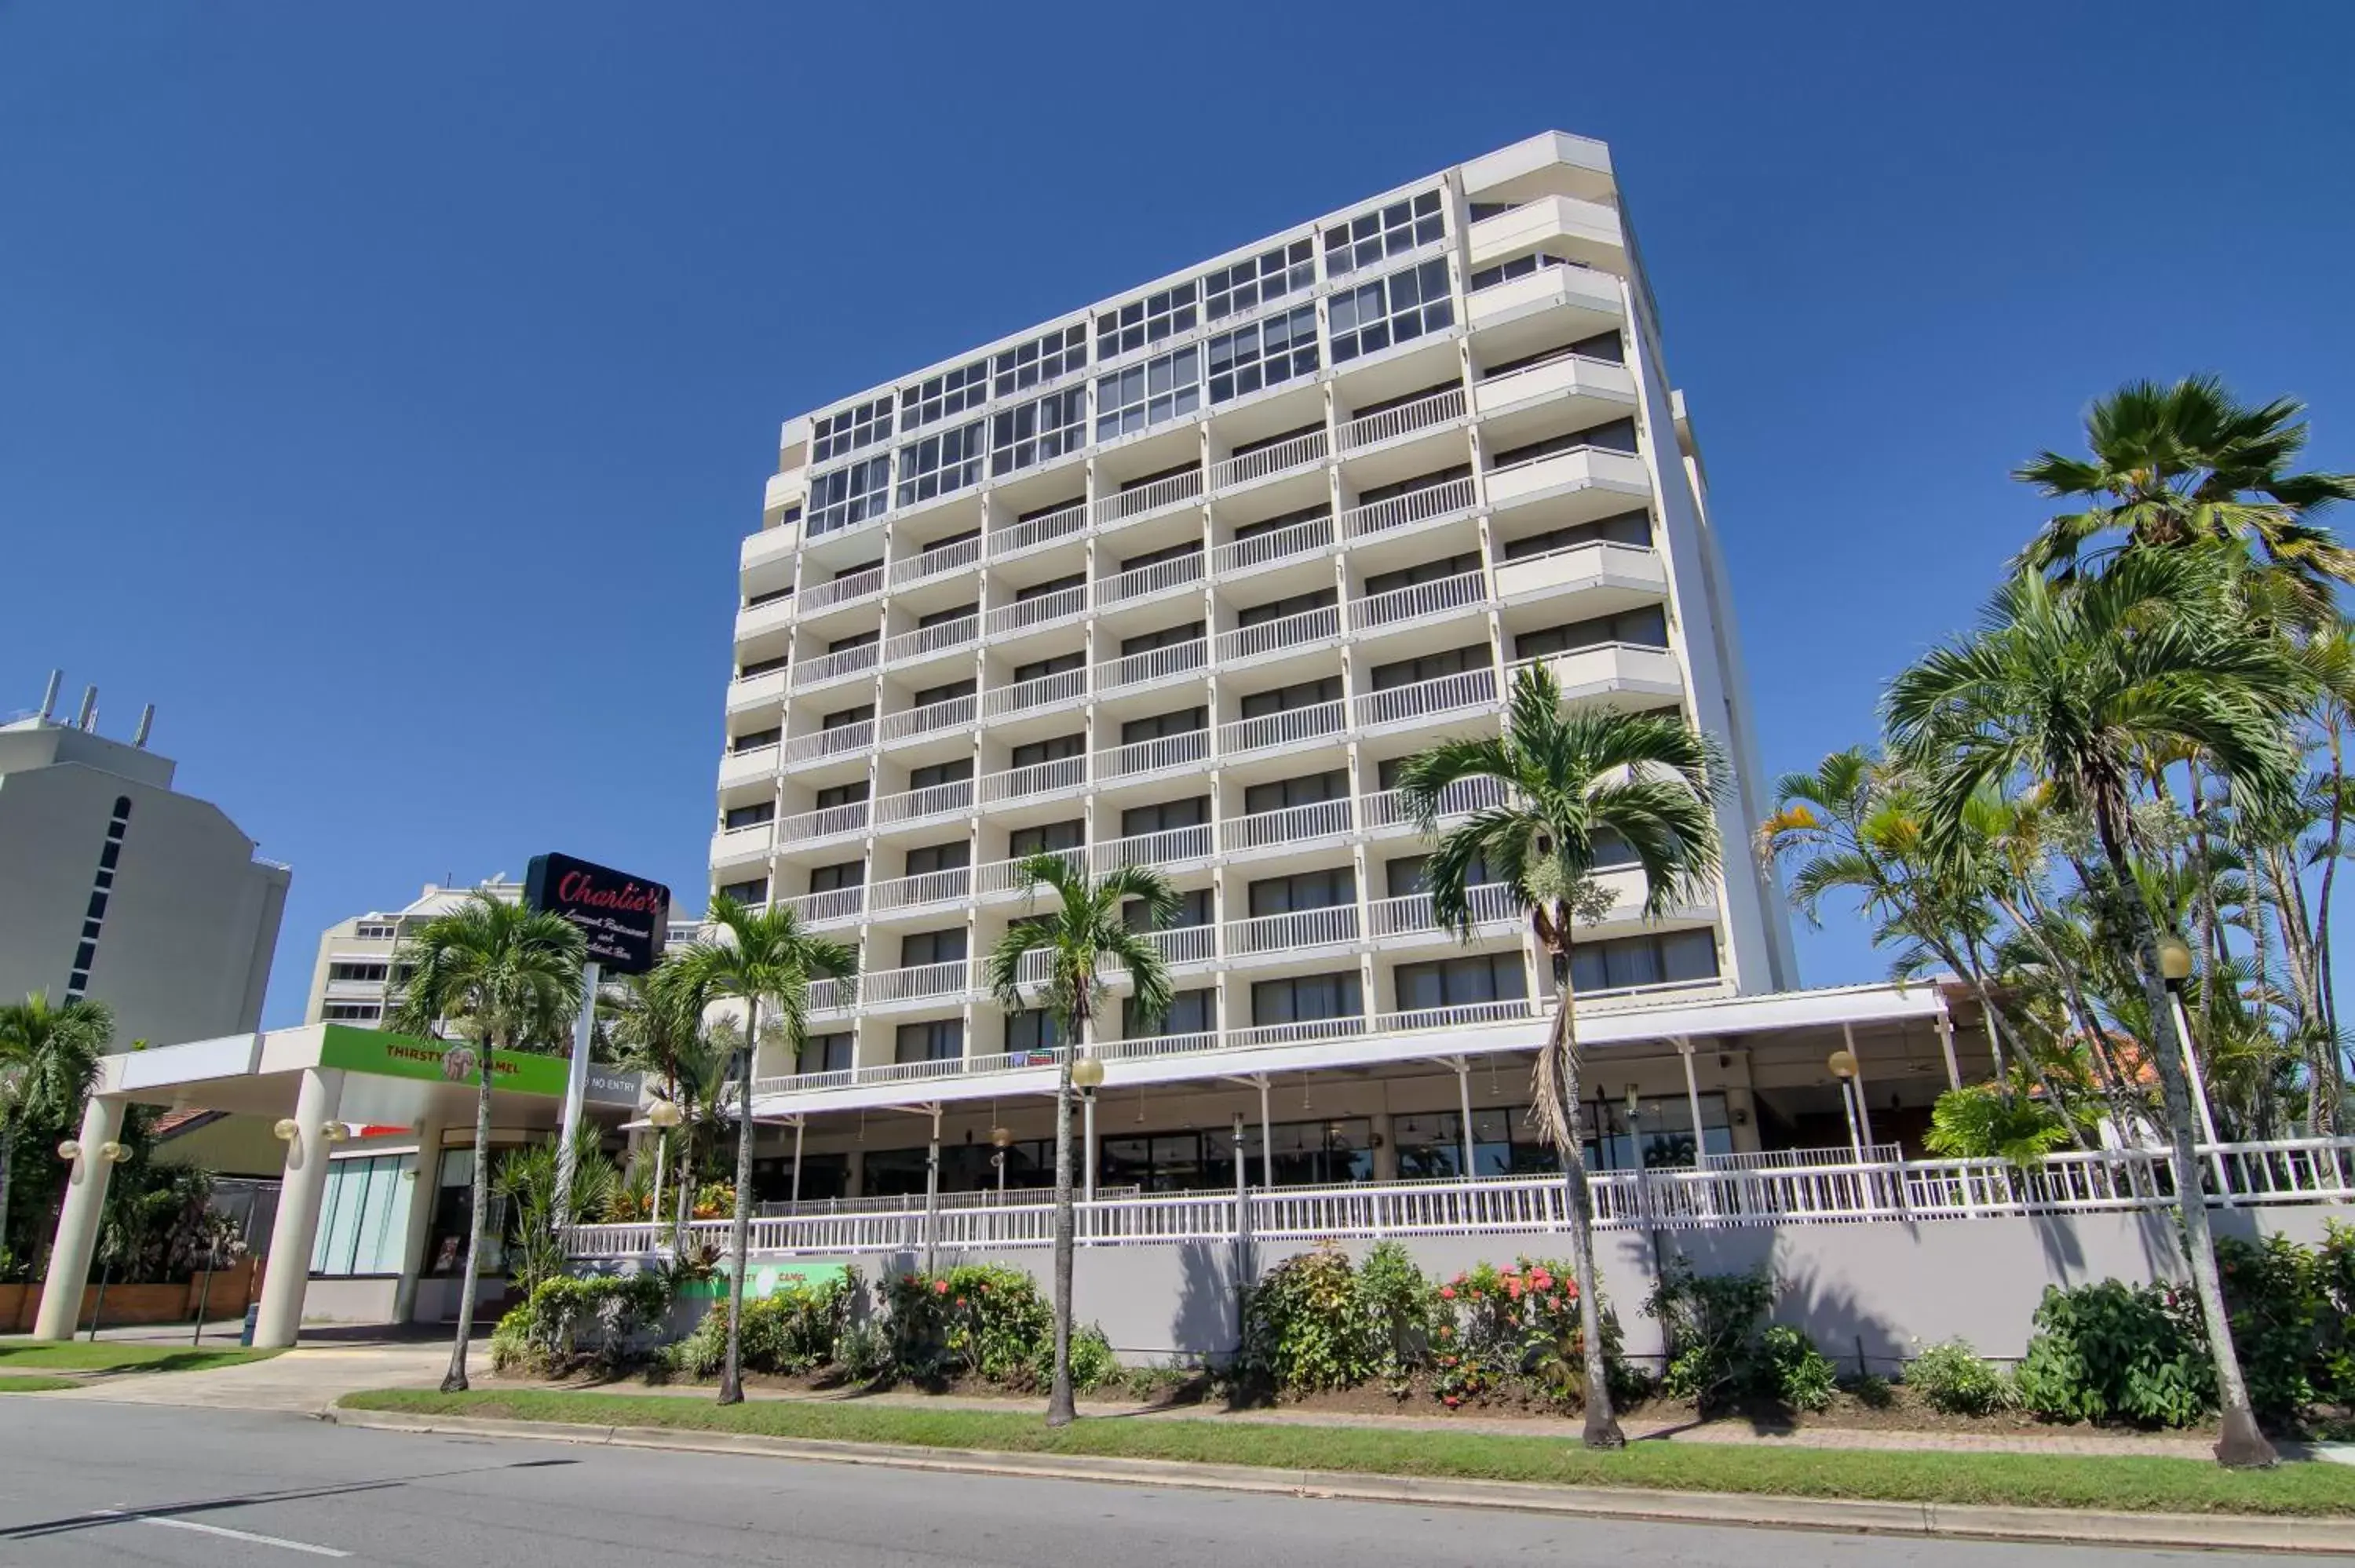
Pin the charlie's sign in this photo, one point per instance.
(623, 918)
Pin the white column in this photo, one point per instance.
(1863, 1111)
(1692, 1102)
(424, 1189)
(77, 1237)
(1946, 1044)
(288, 1273)
(1088, 1145)
(576, 1090)
(1464, 1111)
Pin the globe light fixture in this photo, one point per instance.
(334, 1131)
(1842, 1063)
(2174, 959)
(285, 1128)
(114, 1153)
(69, 1150)
(664, 1113)
(1087, 1073)
(1003, 1138)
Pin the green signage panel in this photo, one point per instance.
(443, 1061)
(767, 1279)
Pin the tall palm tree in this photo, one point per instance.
(762, 959)
(1569, 780)
(49, 1059)
(658, 1027)
(496, 973)
(1088, 929)
(2187, 464)
(2070, 686)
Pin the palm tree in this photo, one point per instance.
(759, 959)
(496, 973)
(2187, 464)
(49, 1059)
(658, 1027)
(2072, 686)
(1088, 929)
(1569, 780)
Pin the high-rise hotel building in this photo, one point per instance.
(1178, 580)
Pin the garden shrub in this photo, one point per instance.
(1400, 1308)
(864, 1352)
(1790, 1368)
(1720, 1348)
(985, 1321)
(1953, 1379)
(570, 1318)
(2110, 1349)
(1304, 1326)
(1499, 1326)
(795, 1329)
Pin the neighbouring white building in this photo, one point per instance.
(117, 886)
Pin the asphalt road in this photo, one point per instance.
(86, 1483)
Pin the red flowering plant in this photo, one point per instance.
(974, 1321)
(1493, 1327)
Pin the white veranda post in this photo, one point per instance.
(576, 1090)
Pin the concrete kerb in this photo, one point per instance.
(2190, 1532)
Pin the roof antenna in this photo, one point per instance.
(89, 709)
(50, 697)
(146, 723)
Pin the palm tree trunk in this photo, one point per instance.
(2241, 1446)
(684, 1206)
(455, 1380)
(7, 1173)
(1060, 1408)
(740, 1237)
(1561, 1049)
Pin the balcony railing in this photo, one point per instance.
(1144, 499)
(1372, 430)
(1158, 664)
(1460, 799)
(1152, 756)
(926, 888)
(1301, 1032)
(1424, 505)
(909, 723)
(831, 995)
(1301, 451)
(821, 744)
(1289, 727)
(1271, 636)
(1185, 944)
(1466, 688)
(1029, 612)
(842, 590)
(824, 908)
(917, 805)
(1170, 846)
(1159, 578)
(942, 637)
(1275, 544)
(931, 562)
(1007, 876)
(1299, 929)
(916, 983)
(1037, 778)
(826, 824)
(1039, 692)
(839, 665)
(1038, 532)
(1291, 824)
(1491, 903)
(1441, 596)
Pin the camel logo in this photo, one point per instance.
(458, 1063)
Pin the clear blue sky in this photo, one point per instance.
(384, 391)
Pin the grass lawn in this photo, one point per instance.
(112, 1356)
(2123, 1483)
(12, 1384)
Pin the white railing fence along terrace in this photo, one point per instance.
(1289, 727)
(933, 801)
(1448, 694)
(1037, 778)
(1179, 750)
(824, 824)
(842, 590)
(1038, 692)
(1296, 929)
(1290, 824)
(1039, 610)
(1438, 596)
(820, 744)
(933, 562)
(1834, 1189)
(1007, 876)
(909, 723)
(1460, 799)
(1415, 506)
(1275, 544)
(1268, 462)
(1155, 664)
(1161, 576)
(1289, 631)
(1146, 498)
(941, 637)
(838, 665)
(834, 904)
(1167, 847)
(1372, 429)
(1039, 530)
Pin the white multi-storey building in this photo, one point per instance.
(1177, 580)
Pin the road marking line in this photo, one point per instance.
(161, 1523)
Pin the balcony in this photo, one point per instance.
(843, 664)
(747, 767)
(1146, 582)
(902, 893)
(1388, 808)
(769, 615)
(835, 906)
(1406, 419)
(1494, 910)
(1021, 538)
(848, 588)
(1063, 773)
(1246, 643)
(1466, 690)
(756, 691)
(1401, 608)
(1025, 614)
(1182, 945)
(1614, 576)
(829, 823)
(1294, 726)
(1573, 391)
(741, 846)
(1061, 689)
(820, 746)
(1289, 825)
(1190, 749)
(1432, 505)
(950, 799)
(1591, 483)
(1611, 668)
(768, 545)
(1274, 548)
(1583, 231)
(915, 723)
(1286, 457)
(934, 642)
(1001, 879)
(1148, 499)
(1520, 315)
(1139, 670)
(1301, 929)
(1169, 847)
(927, 564)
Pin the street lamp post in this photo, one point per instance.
(2175, 967)
(1000, 1139)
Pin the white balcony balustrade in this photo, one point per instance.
(999, 876)
(925, 640)
(1635, 569)
(1310, 626)
(1491, 903)
(1183, 750)
(1161, 576)
(921, 982)
(1298, 928)
(1448, 693)
(843, 590)
(1037, 532)
(1063, 688)
(1292, 540)
(1418, 601)
(1613, 473)
(1024, 613)
(1290, 727)
(1170, 846)
(957, 713)
(821, 744)
(756, 691)
(1429, 504)
(839, 665)
(830, 821)
(1301, 451)
(927, 887)
(831, 995)
(1373, 430)
(1158, 664)
(1128, 505)
(1298, 1032)
(1291, 825)
(1460, 799)
(749, 766)
(833, 906)
(921, 805)
(1185, 944)
(1608, 669)
(931, 562)
(1037, 778)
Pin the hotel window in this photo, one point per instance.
(1039, 668)
(1167, 387)
(1669, 959)
(1432, 666)
(1048, 837)
(1426, 572)
(838, 435)
(755, 739)
(954, 855)
(1391, 230)
(855, 639)
(835, 795)
(1041, 362)
(351, 1012)
(1462, 981)
(1308, 998)
(834, 878)
(1290, 519)
(356, 971)
(1626, 528)
(843, 718)
(1604, 345)
(1618, 436)
(1183, 550)
(917, 948)
(1329, 888)
(1033, 1029)
(1306, 790)
(939, 773)
(1145, 320)
(1285, 608)
(825, 1054)
(1285, 699)
(1193, 912)
(1159, 727)
(1408, 873)
(849, 496)
(940, 464)
(938, 397)
(1167, 816)
(1058, 748)
(1322, 1153)
(1050, 426)
(1167, 637)
(935, 1040)
(1259, 280)
(1645, 628)
(752, 816)
(1190, 1013)
(359, 1233)
(1397, 309)
(753, 893)
(1518, 267)
(370, 932)
(1265, 353)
